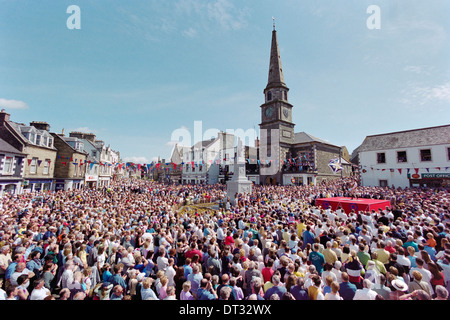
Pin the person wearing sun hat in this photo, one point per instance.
(400, 288)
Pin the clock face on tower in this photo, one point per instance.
(286, 112)
(269, 112)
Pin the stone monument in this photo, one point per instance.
(239, 183)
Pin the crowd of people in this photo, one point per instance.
(133, 241)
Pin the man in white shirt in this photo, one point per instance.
(162, 262)
(20, 270)
(220, 234)
(366, 293)
(39, 292)
(67, 275)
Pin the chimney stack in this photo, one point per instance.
(82, 135)
(40, 125)
(4, 117)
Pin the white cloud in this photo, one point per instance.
(190, 33)
(228, 16)
(186, 17)
(223, 12)
(422, 70)
(12, 104)
(84, 129)
(172, 143)
(421, 95)
(136, 159)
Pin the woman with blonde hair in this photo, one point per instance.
(82, 254)
(163, 289)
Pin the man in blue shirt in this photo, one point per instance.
(298, 291)
(206, 291)
(308, 237)
(277, 288)
(317, 258)
(117, 278)
(12, 266)
(347, 289)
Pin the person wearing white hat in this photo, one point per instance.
(400, 288)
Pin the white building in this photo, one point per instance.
(105, 162)
(413, 158)
(208, 161)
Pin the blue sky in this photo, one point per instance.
(138, 70)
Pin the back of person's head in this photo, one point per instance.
(417, 275)
(334, 286)
(329, 280)
(147, 282)
(276, 279)
(441, 292)
(344, 276)
(419, 262)
(203, 283)
(225, 278)
(256, 282)
(367, 283)
(225, 293)
(316, 280)
(300, 282)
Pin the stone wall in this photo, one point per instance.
(43, 154)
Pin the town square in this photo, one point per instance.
(224, 152)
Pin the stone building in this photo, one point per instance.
(287, 157)
(36, 142)
(70, 166)
(93, 158)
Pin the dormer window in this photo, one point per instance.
(32, 137)
(38, 139)
(50, 143)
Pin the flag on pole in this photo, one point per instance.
(335, 165)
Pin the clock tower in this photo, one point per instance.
(276, 127)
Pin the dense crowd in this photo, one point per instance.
(134, 241)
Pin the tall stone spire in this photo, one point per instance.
(276, 77)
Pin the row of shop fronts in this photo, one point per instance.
(20, 186)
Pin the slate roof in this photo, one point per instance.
(407, 139)
(7, 148)
(303, 137)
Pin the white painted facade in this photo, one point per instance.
(398, 172)
(202, 162)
